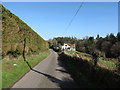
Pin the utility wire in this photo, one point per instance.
(73, 17)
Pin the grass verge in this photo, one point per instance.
(16, 68)
(72, 52)
(75, 68)
(106, 64)
(102, 62)
(87, 75)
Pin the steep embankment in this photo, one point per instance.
(14, 32)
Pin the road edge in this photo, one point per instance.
(10, 86)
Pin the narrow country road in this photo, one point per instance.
(49, 73)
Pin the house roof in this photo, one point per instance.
(71, 45)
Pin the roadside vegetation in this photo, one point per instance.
(14, 31)
(15, 68)
(102, 62)
(18, 37)
(108, 64)
(106, 50)
(96, 61)
(86, 75)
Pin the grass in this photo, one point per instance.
(101, 61)
(12, 73)
(88, 76)
(81, 53)
(14, 30)
(107, 64)
(72, 52)
(12, 40)
(74, 69)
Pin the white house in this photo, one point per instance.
(69, 47)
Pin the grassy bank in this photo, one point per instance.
(73, 52)
(87, 75)
(102, 62)
(106, 64)
(13, 69)
(74, 67)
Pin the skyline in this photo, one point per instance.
(49, 20)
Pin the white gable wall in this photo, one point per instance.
(67, 47)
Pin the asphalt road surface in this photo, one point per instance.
(49, 73)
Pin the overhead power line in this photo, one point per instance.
(73, 17)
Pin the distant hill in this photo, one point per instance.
(13, 36)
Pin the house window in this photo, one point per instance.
(68, 47)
